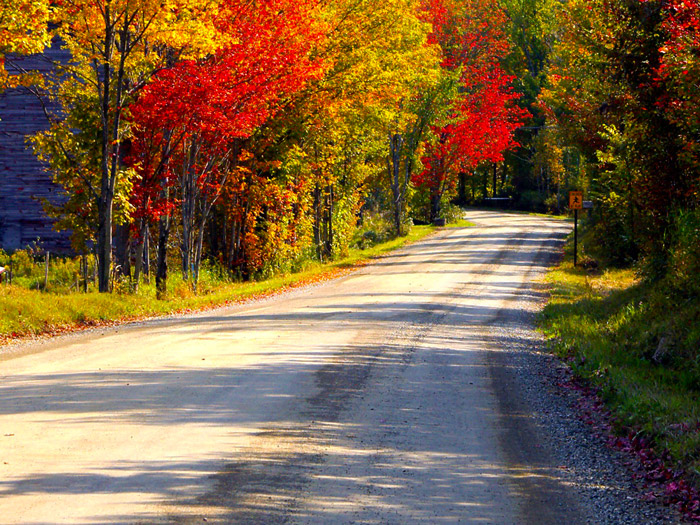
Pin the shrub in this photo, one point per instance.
(683, 273)
(531, 201)
(611, 234)
(376, 228)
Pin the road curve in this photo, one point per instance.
(380, 397)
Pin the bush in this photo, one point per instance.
(611, 233)
(452, 213)
(28, 269)
(553, 204)
(531, 201)
(23, 264)
(376, 228)
(683, 273)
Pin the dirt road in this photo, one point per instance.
(381, 397)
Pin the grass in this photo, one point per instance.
(25, 312)
(638, 344)
(461, 223)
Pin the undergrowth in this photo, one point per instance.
(638, 343)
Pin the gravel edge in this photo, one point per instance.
(603, 477)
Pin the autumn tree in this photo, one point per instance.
(531, 29)
(331, 139)
(385, 63)
(679, 70)
(202, 111)
(115, 46)
(481, 119)
(607, 97)
(425, 102)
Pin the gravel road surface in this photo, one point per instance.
(412, 391)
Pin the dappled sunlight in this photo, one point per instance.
(326, 405)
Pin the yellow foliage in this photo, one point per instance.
(23, 30)
(23, 26)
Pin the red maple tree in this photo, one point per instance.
(680, 71)
(191, 120)
(483, 117)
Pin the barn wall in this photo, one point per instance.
(23, 180)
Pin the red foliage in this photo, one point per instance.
(199, 108)
(484, 117)
(680, 72)
(470, 34)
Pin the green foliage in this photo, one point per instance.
(610, 236)
(28, 268)
(683, 274)
(452, 214)
(376, 228)
(610, 96)
(532, 200)
(71, 148)
(420, 204)
(532, 31)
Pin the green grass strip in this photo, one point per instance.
(611, 327)
(26, 313)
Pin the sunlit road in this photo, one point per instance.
(380, 397)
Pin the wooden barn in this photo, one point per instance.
(24, 181)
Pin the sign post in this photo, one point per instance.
(576, 204)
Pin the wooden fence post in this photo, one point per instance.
(46, 272)
(84, 268)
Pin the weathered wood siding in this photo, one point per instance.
(23, 180)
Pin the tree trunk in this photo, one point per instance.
(122, 251)
(494, 190)
(147, 253)
(46, 272)
(234, 248)
(84, 271)
(472, 190)
(397, 188)
(328, 241)
(462, 189)
(104, 204)
(186, 247)
(104, 241)
(236, 255)
(162, 257)
(317, 222)
(138, 263)
(197, 262)
(434, 205)
(188, 207)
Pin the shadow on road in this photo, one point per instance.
(410, 459)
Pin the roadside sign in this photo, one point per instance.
(576, 204)
(575, 200)
(587, 205)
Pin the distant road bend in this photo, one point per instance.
(386, 396)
